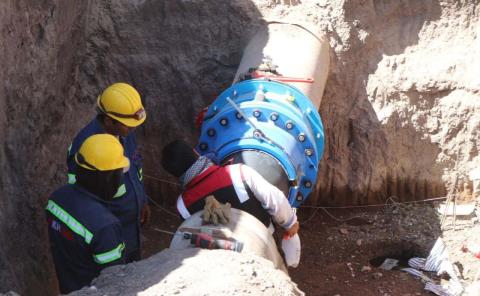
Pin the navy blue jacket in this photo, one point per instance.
(130, 198)
(85, 236)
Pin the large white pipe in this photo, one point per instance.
(296, 50)
(243, 227)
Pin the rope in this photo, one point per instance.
(327, 207)
(165, 231)
(389, 202)
(311, 217)
(329, 214)
(376, 205)
(340, 220)
(161, 180)
(154, 202)
(162, 208)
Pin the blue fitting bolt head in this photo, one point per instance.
(223, 121)
(211, 132)
(238, 115)
(274, 116)
(308, 152)
(289, 125)
(307, 184)
(203, 146)
(299, 197)
(301, 137)
(257, 113)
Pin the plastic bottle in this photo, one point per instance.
(291, 247)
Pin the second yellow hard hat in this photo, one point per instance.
(101, 152)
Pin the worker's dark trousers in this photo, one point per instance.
(133, 256)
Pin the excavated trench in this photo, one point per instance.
(401, 107)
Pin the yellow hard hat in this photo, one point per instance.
(122, 102)
(101, 152)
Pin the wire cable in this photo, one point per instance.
(165, 231)
(161, 180)
(374, 205)
(162, 208)
(389, 201)
(154, 202)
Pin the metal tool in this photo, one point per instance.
(206, 241)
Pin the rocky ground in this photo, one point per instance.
(344, 256)
(342, 249)
(194, 272)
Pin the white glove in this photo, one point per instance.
(291, 247)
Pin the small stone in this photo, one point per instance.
(343, 231)
(359, 242)
(377, 275)
(366, 268)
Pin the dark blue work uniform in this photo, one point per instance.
(130, 197)
(85, 236)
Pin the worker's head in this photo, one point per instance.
(121, 109)
(177, 157)
(100, 165)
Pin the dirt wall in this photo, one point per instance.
(39, 41)
(400, 107)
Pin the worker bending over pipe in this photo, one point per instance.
(235, 185)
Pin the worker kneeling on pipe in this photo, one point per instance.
(236, 184)
(85, 236)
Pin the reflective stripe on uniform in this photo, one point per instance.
(121, 191)
(140, 174)
(69, 148)
(72, 179)
(70, 221)
(109, 256)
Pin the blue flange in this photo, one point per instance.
(271, 117)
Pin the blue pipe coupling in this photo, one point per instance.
(274, 119)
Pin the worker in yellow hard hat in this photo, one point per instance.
(85, 236)
(119, 112)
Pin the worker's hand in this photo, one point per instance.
(145, 215)
(292, 230)
(215, 212)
